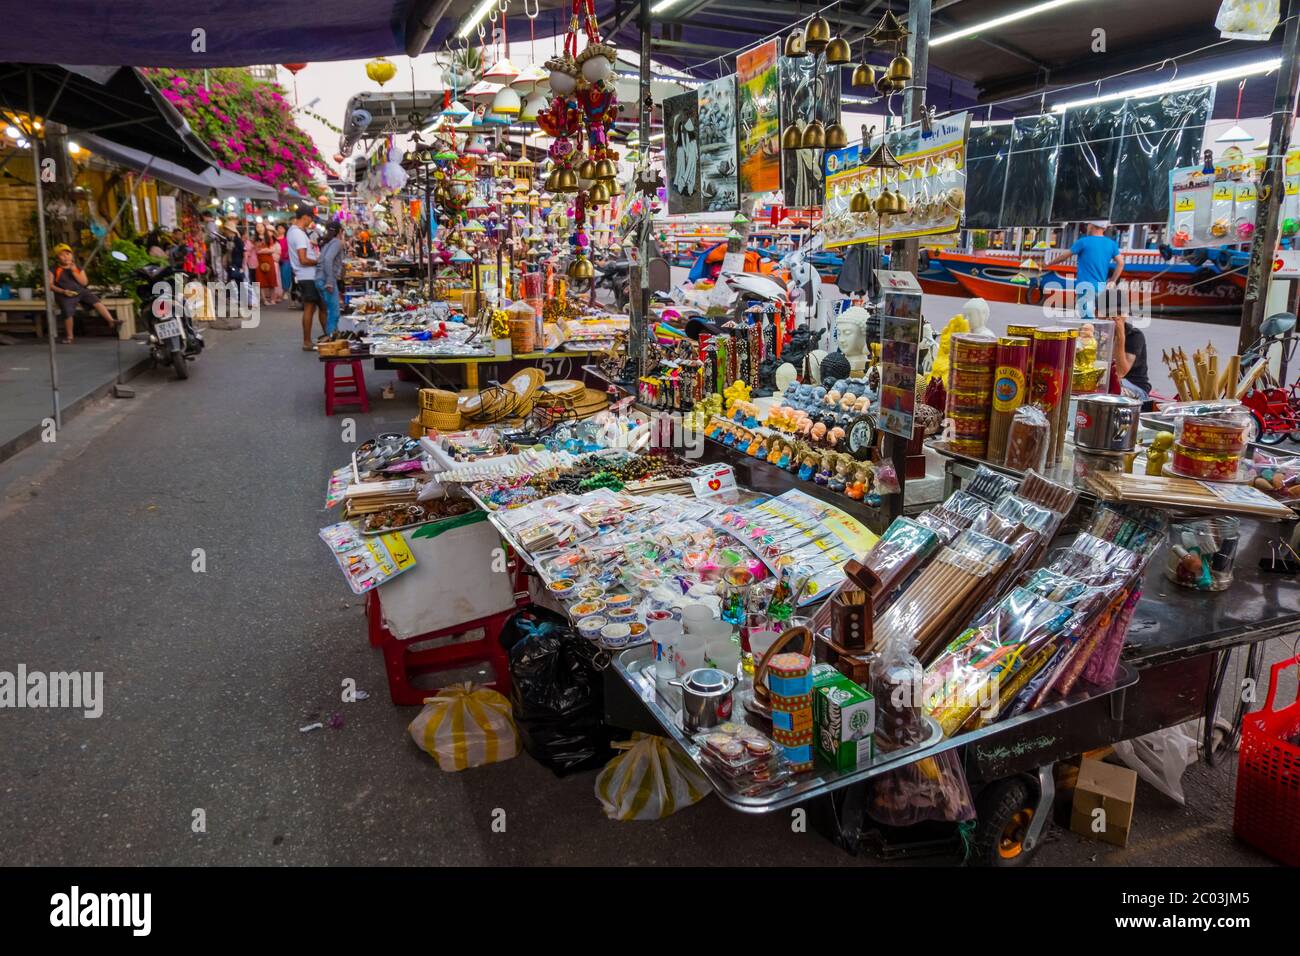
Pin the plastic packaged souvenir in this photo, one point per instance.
(1028, 439)
(1205, 465)
(901, 550)
(989, 484)
(1009, 388)
(976, 668)
(1275, 475)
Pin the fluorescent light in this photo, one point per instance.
(75, 148)
(1027, 12)
(663, 5)
(475, 18)
(12, 132)
(1182, 83)
(657, 138)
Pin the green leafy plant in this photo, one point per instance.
(27, 276)
(6, 279)
(109, 272)
(979, 239)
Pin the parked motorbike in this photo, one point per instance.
(612, 278)
(1274, 406)
(174, 339)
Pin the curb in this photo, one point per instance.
(71, 410)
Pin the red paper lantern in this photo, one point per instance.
(294, 67)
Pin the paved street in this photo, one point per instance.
(208, 676)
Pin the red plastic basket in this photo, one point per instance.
(1267, 813)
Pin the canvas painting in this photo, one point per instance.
(719, 182)
(758, 120)
(682, 153)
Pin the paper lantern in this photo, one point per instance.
(380, 70)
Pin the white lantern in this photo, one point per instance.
(535, 104)
(562, 84)
(506, 102)
(597, 69)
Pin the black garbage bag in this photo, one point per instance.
(557, 695)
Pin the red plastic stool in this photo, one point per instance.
(343, 390)
(404, 663)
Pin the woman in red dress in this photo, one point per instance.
(268, 268)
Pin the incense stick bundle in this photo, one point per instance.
(1227, 384)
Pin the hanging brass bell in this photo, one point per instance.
(795, 45)
(860, 202)
(791, 139)
(900, 70)
(838, 52)
(836, 137)
(900, 202)
(598, 194)
(818, 34)
(863, 76)
(604, 170)
(580, 268)
(588, 169)
(884, 204)
(814, 136)
(885, 85)
(567, 182)
(552, 181)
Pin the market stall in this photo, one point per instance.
(827, 550)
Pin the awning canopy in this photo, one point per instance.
(115, 101)
(1037, 53)
(223, 181)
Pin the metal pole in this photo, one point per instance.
(905, 260)
(636, 337)
(1270, 191)
(34, 139)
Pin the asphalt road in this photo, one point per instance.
(208, 676)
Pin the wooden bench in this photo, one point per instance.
(122, 308)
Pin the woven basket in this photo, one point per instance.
(443, 421)
(437, 400)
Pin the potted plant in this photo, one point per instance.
(27, 279)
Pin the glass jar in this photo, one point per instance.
(1201, 552)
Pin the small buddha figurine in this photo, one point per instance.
(1085, 375)
(774, 453)
(835, 436)
(759, 450)
(826, 470)
(1158, 452)
(807, 467)
(840, 480)
(857, 488)
(784, 460)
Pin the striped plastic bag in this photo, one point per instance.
(652, 779)
(465, 726)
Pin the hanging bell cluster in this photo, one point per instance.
(889, 32)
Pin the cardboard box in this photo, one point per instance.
(1110, 789)
(845, 717)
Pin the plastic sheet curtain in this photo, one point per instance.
(987, 153)
(1085, 180)
(1031, 174)
(1160, 133)
(1105, 161)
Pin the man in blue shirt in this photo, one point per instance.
(1095, 252)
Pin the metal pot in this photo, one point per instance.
(706, 698)
(1107, 423)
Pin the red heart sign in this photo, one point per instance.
(714, 484)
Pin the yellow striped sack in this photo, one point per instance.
(651, 779)
(465, 726)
